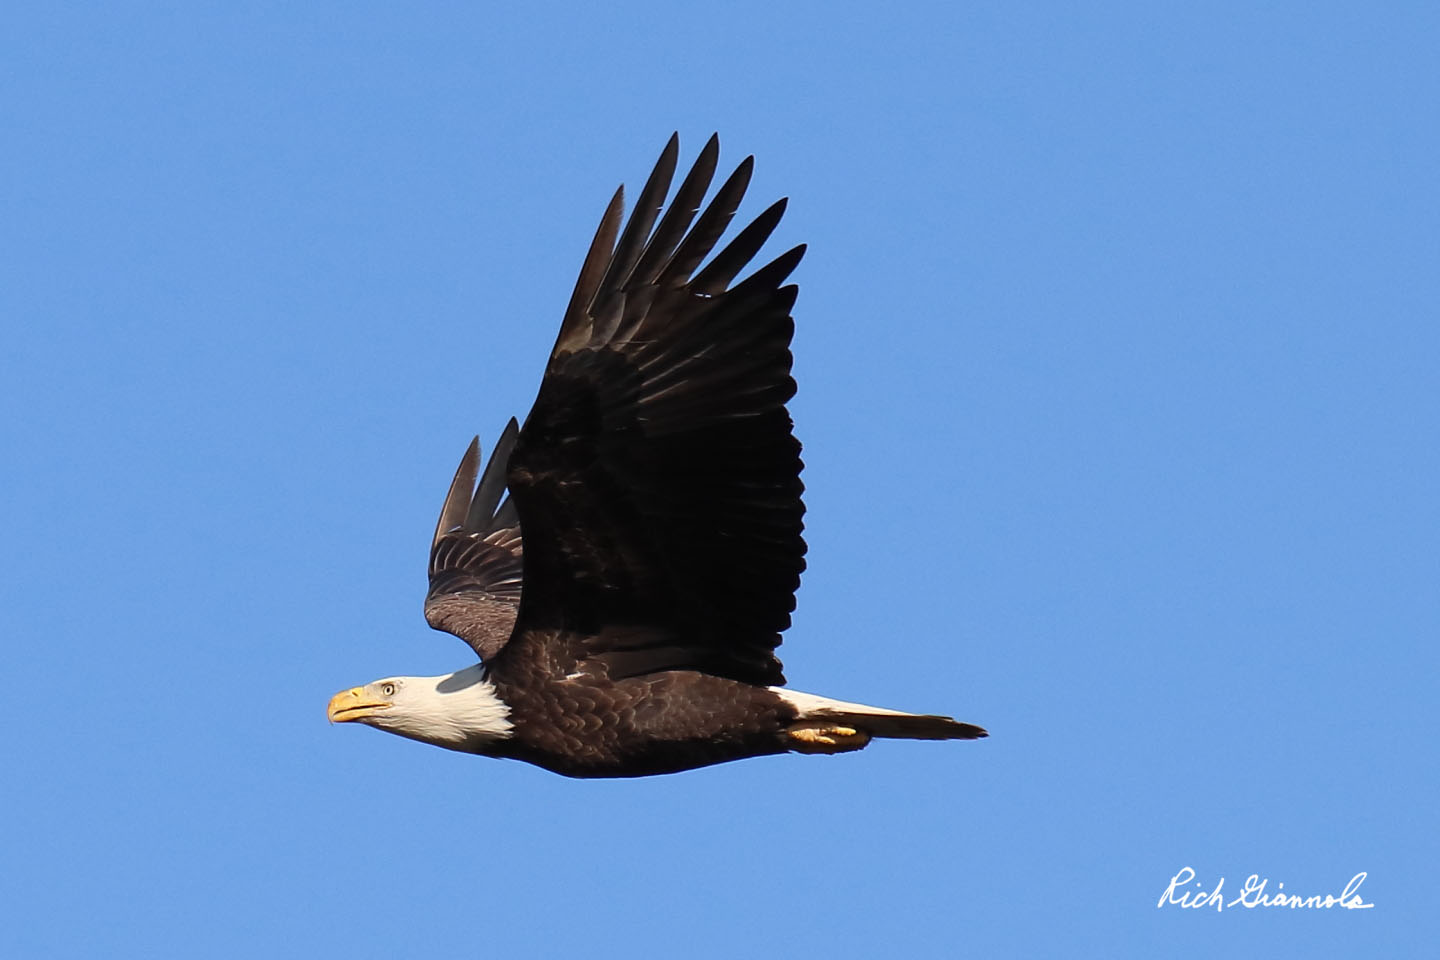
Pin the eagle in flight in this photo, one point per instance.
(626, 597)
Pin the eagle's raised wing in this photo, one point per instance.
(657, 478)
(475, 558)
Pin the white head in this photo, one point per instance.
(459, 711)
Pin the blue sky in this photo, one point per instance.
(1117, 348)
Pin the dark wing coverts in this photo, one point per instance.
(657, 478)
(475, 558)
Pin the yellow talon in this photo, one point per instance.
(813, 737)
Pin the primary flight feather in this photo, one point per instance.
(627, 596)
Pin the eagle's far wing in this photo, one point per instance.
(657, 477)
(475, 557)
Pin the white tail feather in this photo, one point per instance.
(878, 721)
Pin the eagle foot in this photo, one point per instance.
(815, 737)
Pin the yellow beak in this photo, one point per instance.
(353, 704)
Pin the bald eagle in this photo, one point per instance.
(627, 596)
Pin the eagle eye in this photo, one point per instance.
(388, 689)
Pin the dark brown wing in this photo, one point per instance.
(657, 477)
(475, 558)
